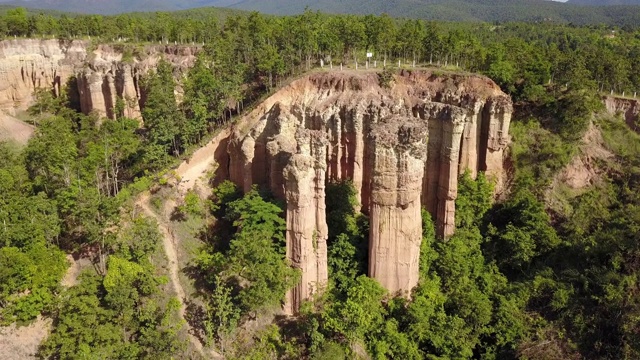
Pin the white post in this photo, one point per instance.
(635, 94)
(623, 94)
(375, 63)
(414, 63)
(322, 63)
(340, 66)
(398, 63)
(331, 64)
(367, 64)
(384, 63)
(611, 91)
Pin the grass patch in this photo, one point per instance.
(539, 154)
(618, 137)
(189, 243)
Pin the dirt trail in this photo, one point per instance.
(168, 242)
(199, 163)
(191, 172)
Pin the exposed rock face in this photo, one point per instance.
(102, 76)
(403, 148)
(26, 65)
(306, 215)
(100, 90)
(106, 78)
(630, 110)
(399, 150)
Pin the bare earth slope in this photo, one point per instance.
(21, 343)
(12, 129)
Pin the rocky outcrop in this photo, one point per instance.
(628, 108)
(403, 148)
(101, 91)
(108, 85)
(102, 75)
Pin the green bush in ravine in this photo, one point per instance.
(253, 263)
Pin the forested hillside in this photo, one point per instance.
(521, 278)
(443, 10)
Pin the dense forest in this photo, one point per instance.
(519, 279)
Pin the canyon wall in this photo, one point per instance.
(403, 148)
(101, 75)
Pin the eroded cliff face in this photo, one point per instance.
(628, 108)
(27, 64)
(102, 75)
(403, 148)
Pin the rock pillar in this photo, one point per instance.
(110, 96)
(440, 189)
(398, 155)
(130, 94)
(471, 141)
(306, 216)
(495, 138)
(448, 175)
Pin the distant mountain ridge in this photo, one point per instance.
(448, 10)
(604, 2)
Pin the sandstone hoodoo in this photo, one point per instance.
(398, 156)
(403, 147)
(306, 214)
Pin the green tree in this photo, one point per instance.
(162, 118)
(51, 154)
(17, 22)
